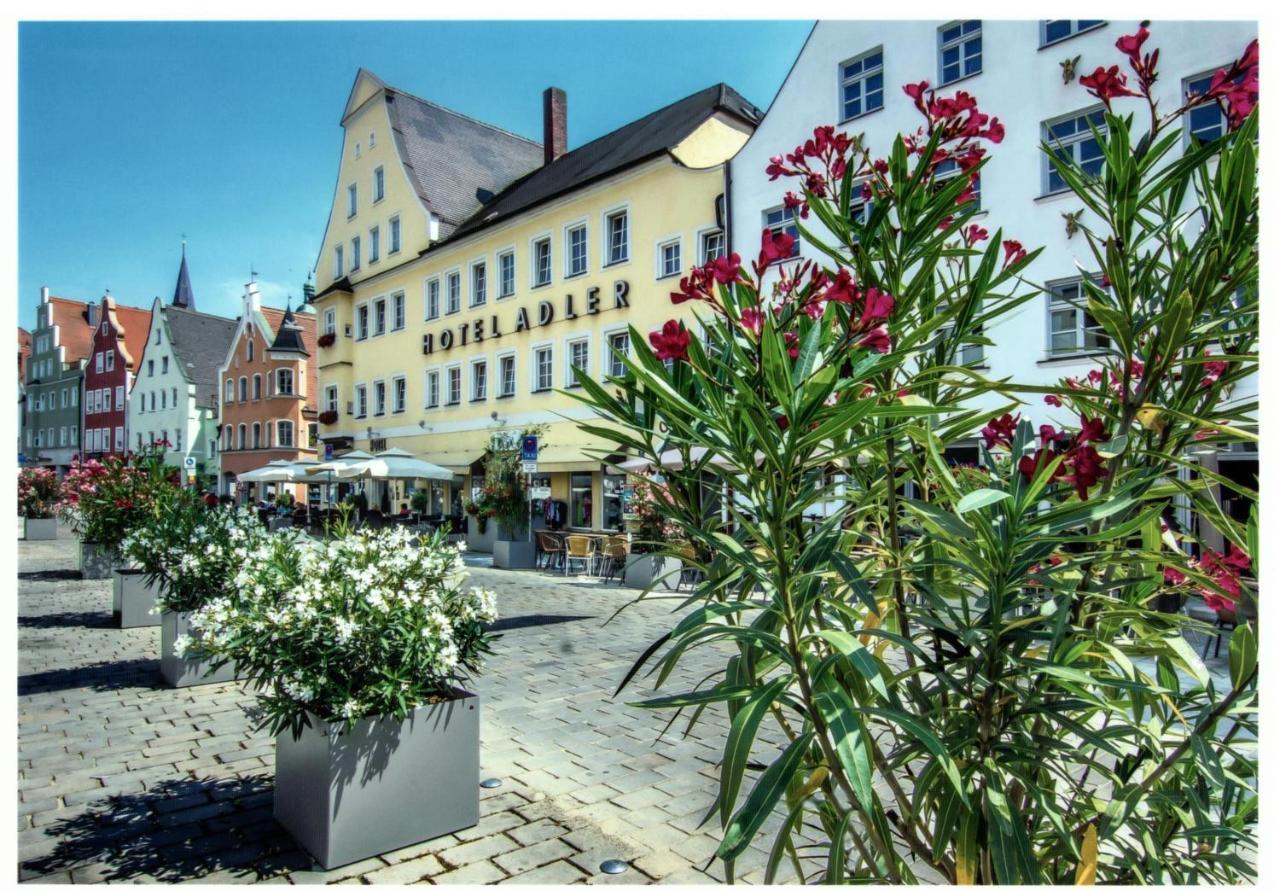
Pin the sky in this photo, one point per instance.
(134, 135)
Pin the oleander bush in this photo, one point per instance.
(104, 500)
(38, 492)
(963, 670)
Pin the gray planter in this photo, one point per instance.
(481, 542)
(39, 528)
(514, 554)
(96, 561)
(278, 523)
(190, 670)
(643, 570)
(385, 784)
(132, 599)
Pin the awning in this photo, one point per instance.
(457, 460)
(568, 458)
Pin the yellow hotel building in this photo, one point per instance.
(465, 269)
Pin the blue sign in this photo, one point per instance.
(328, 451)
(529, 448)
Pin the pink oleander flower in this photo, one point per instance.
(672, 342)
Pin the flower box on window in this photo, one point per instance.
(328, 417)
(327, 340)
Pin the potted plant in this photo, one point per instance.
(480, 534)
(37, 501)
(360, 648)
(651, 561)
(190, 555)
(327, 339)
(328, 416)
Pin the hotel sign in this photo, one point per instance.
(477, 329)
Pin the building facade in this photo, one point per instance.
(266, 389)
(465, 272)
(851, 74)
(175, 394)
(24, 353)
(60, 343)
(119, 340)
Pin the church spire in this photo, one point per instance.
(182, 293)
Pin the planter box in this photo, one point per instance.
(481, 542)
(132, 599)
(188, 671)
(514, 554)
(278, 523)
(39, 528)
(385, 784)
(96, 561)
(643, 569)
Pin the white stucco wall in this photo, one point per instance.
(1022, 84)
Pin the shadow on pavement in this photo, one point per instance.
(532, 621)
(119, 675)
(96, 619)
(50, 575)
(178, 830)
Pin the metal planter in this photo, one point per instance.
(514, 554)
(481, 542)
(642, 570)
(385, 784)
(39, 528)
(96, 561)
(189, 670)
(133, 599)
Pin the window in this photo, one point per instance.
(1071, 328)
(712, 246)
(478, 273)
(398, 392)
(433, 389)
(542, 369)
(1204, 122)
(669, 258)
(379, 398)
(862, 84)
(97, 362)
(579, 357)
(479, 381)
(351, 201)
(1054, 30)
(506, 274)
(619, 346)
(111, 360)
(959, 50)
(611, 492)
(243, 439)
(455, 384)
(362, 321)
(1073, 141)
(120, 397)
(580, 500)
(231, 391)
(356, 148)
(284, 433)
(433, 298)
(542, 262)
(152, 400)
(371, 139)
(355, 253)
(177, 437)
(248, 350)
(75, 434)
(337, 261)
(397, 310)
(944, 172)
(380, 316)
(164, 364)
(577, 250)
(330, 321)
(257, 435)
(151, 368)
(454, 297)
(157, 338)
(374, 237)
(506, 375)
(331, 398)
(62, 436)
(106, 399)
(257, 386)
(616, 228)
(379, 185)
(362, 401)
(782, 219)
(394, 225)
(284, 381)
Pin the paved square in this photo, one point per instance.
(123, 779)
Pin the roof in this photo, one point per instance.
(75, 335)
(306, 322)
(183, 296)
(650, 136)
(456, 163)
(289, 335)
(199, 342)
(24, 352)
(137, 326)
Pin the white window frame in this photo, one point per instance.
(472, 365)
(659, 259)
(477, 296)
(860, 77)
(380, 389)
(788, 221)
(375, 239)
(1187, 132)
(534, 350)
(959, 43)
(570, 342)
(606, 239)
(379, 184)
(331, 321)
(360, 401)
(1076, 30)
(379, 303)
(1078, 138)
(499, 358)
(337, 261)
(427, 314)
(569, 229)
(353, 200)
(510, 253)
(606, 353)
(450, 296)
(448, 383)
(363, 320)
(355, 252)
(283, 424)
(1082, 329)
(280, 375)
(399, 309)
(331, 395)
(702, 236)
(230, 395)
(393, 225)
(433, 371)
(535, 265)
(399, 394)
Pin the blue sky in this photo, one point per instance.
(132, 134)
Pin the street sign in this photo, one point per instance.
(529, 451)
(540, 493)
(328, 451)
(189, 462)
(529, 467)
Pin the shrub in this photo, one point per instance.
(105, 500)
(38, 491)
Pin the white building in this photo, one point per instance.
(851, 74)
(175, 391)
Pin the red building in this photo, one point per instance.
(114, 359)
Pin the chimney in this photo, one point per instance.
(555, 127)
(252, 299)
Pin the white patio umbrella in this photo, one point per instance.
(393, 464)
(672, 460)
(274, 472)
(298, 471)
(340, 461)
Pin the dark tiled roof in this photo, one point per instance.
(455, 162)
(200, 342)
(182, 293)
(648, 137)
(289, 335)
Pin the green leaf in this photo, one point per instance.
(1242, 654)
(980, 498)
(764, 796)
(849, 736)
(742, 735)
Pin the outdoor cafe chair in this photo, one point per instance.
(613, 556)
(551, 548)
(581, 548)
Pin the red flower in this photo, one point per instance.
(877, 339)
(1212, 371)
(752, 320)
(672, 342)
(1131, 45)
(1086, 467)
(1173, 576)
(876, 308)
(1050, 399)
(1030, 465)
(1092, 431)
(1000, 430)
(725, 270)
(975, 234)
(794, 202)
(842, 290)
(792, 341)
(1013, 251)
(775, 246)
(1107, 84)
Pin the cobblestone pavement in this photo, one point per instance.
(123, 779)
